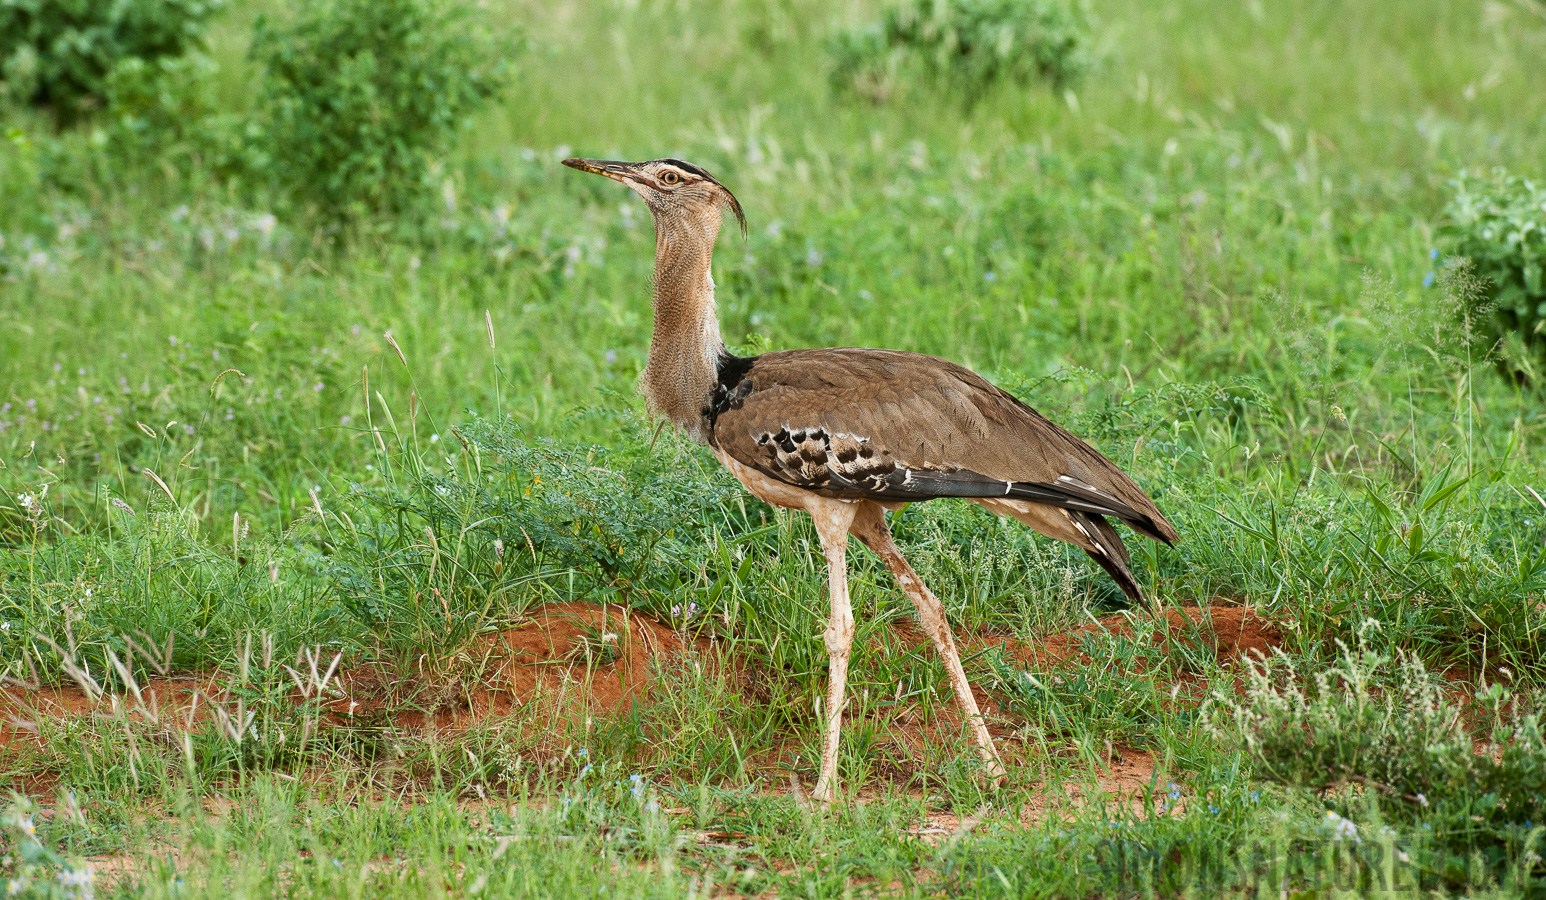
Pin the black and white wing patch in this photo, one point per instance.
(850, 466)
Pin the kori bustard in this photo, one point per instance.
(846, 434)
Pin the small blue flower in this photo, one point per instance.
(1434, 253)
(1214, 810)
(1428, 280)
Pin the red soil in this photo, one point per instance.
(591, 657)
(575, 655)
(1233, 631)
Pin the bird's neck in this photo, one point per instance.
(683, 369)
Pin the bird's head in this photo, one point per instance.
(675, 191)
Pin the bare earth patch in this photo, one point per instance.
(583, 659)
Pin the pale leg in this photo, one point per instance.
(870, 527)
(833, 518)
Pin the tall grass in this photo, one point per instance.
(228, 430)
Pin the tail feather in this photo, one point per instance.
(1088, 531)
(1111, 554)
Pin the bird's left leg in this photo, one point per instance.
(833, 518)
(870, 527)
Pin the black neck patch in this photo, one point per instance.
(732, 388)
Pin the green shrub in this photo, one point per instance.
(1498, 221)
(361, 95)
(58, 53)
(970, 43)
(1385, 731)
(167, 111)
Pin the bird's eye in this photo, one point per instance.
(669, 177)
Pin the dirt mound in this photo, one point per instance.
(579, 657)
(579, 654)
(181, 700)
(1227, 631)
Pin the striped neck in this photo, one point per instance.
(679, 380)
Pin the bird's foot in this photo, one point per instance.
(993, 768)
(823, 793)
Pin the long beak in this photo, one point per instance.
(617, 171)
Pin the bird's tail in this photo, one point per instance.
(1111, 554)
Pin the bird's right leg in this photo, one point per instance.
(870, 527)
(833, 518)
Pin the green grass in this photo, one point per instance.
(1208, 259)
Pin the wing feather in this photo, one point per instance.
(893, 426)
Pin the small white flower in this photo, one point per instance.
(1343, 829)
(28, 502)
(1422, 799)
(27, 826)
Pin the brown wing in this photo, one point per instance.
(894, 426)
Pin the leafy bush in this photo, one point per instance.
(361, 95)
(1498, 221)
(167, 110)
(59, 53)
(1386, 726)
(973, 43)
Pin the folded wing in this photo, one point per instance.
(900, 427)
